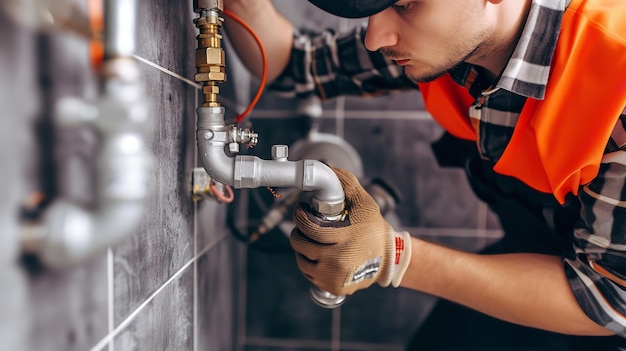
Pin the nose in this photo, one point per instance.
(380, 31)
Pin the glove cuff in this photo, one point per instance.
(401, 258)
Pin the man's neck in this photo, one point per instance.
(510, 20)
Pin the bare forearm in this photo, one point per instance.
(275, 32)
(527, 289)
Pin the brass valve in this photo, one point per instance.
(210, 59)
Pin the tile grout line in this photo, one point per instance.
(195, 281)
(482, 225)
(242, 311)
(416, 115)
(195, 248)
(287, 343)
(320, 344)
(340, 114)
(108, 338)
(167, 71)
(242, 338)
(223, 100)
(335, 339)
(110, 298)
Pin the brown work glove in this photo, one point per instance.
(349, 255)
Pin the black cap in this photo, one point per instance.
(353, 8)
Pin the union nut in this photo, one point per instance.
(331, 211)
(215, 74)
(210, 64)
(200, 5)
(210, 90)
(210, 56)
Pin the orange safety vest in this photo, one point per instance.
(558, 142)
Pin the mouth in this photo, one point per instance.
(401, 62)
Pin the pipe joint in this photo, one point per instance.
(204, 5)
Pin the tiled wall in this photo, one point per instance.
(392, 135)
(173, 284)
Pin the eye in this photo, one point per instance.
(402, 6)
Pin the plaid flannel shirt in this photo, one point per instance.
(329, 64)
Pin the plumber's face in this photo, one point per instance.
(429, 37)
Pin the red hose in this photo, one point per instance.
(256, 98)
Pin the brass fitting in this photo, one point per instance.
(210, 59)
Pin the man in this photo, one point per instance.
(538, 88)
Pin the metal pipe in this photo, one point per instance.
(68, 233)
(248, 171)
(252, 172)
(213, 136)
(120, 28)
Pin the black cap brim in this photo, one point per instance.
(353, 8)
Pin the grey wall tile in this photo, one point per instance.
(388, 315)
(165, 240)
(399, 152)
(493, 222)
(67, 310)
(271, 131)
(166, 323)
(166, 35)
(372, 347)
(410, 100)
(278, 302)
(217, 295)
(279, 348)
(273, 102)
(305, 15)
(211, 223)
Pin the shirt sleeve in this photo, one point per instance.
(597, 272)
(328, 65)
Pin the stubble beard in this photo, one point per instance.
(429, 76)
(479, 50)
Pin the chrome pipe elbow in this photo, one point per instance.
(212, 137)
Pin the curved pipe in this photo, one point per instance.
(69, 233)
(306, 175)
(253, 172)
(73, 235)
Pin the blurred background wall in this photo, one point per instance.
(188, 279)
(173, 283)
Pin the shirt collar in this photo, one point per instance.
(528, 69)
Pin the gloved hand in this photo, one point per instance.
(349, 255)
